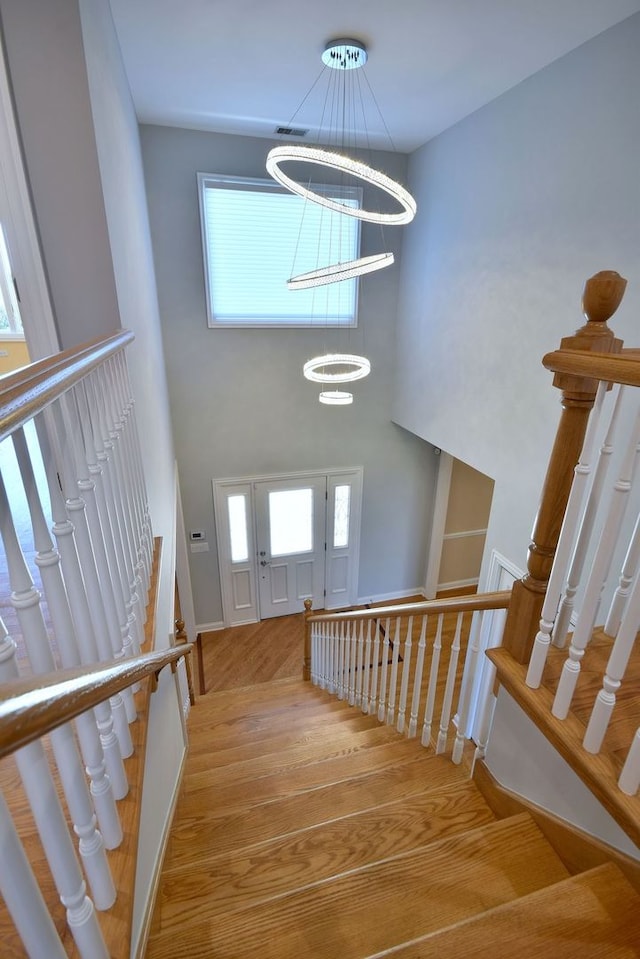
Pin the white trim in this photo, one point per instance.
(8, 336)
(211, 627)
(219, 486)
(385, 597)
(492, 621)
(22, 238)
(458, 583)
(497, 563)
(440, 504)
(464, 533)
(139, 948)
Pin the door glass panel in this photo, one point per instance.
(237, 507)
(341, 505)
(291, 521)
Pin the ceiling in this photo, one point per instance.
(244, 66)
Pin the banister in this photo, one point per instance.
(455, 604)
(33, 706)
(27, 391)
(621, 367)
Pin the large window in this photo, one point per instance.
(256, 235)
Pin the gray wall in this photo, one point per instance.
(239, 402)
(47, 67)
(82, 155)
(520, 203)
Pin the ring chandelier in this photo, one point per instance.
(344, 164)
(335, 368)
(357, 367)
(340, 271)
(336, 398)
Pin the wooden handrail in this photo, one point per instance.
(29, 390)
(33, 706)
(456, 604)
(621, 367)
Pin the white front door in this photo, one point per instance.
(290, 534)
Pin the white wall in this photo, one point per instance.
(239, 402)
(83, 159)
(520, 203)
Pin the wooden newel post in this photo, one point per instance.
(306, 662)
(601, 298)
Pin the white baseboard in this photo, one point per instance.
(458, 583)
(208, 627)
(385, 597)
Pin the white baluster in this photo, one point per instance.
(332, 661)
(342, 661)
(616, 666)
(63, 531)
(417, 680)
(98, 466)
(77, 515)
(597, 577)
(566, 541)
(393, 682)
(565, 610)
(359, 659)
(121, 427)
(468, 680)
(366, 670)
(121, 643)
(22, 895)
(48, 562)
(314, 665)
(373, 693)
(25, 599)
(404, 688)
(627, 575)
(131, 586)
(351, 633)
(433, 683)
(629, 781)
(385, 668)
(445, 715)
(488, 705)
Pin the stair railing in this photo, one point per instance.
(598, 590)
(30, 708)
(70, 463)
(406, 663)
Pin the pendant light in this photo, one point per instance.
(345, 108)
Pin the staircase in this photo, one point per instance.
(307, 829)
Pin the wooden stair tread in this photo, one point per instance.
(299, 779)
(275, 695)
(257, 725)
(300, 755)
(595, 915)
(415, 893)
(335, 732)
(197, 835)
(257, 873)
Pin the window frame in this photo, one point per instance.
(266, 184)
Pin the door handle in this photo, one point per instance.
(265, 562)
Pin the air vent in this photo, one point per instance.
(291, 132)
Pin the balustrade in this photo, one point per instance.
(368, 658)
(87, 515)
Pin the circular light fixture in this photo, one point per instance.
(349, 368)
(340, 271)
(358, 169)
(344, 54)
(336, 398)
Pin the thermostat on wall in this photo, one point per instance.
(196, 535)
